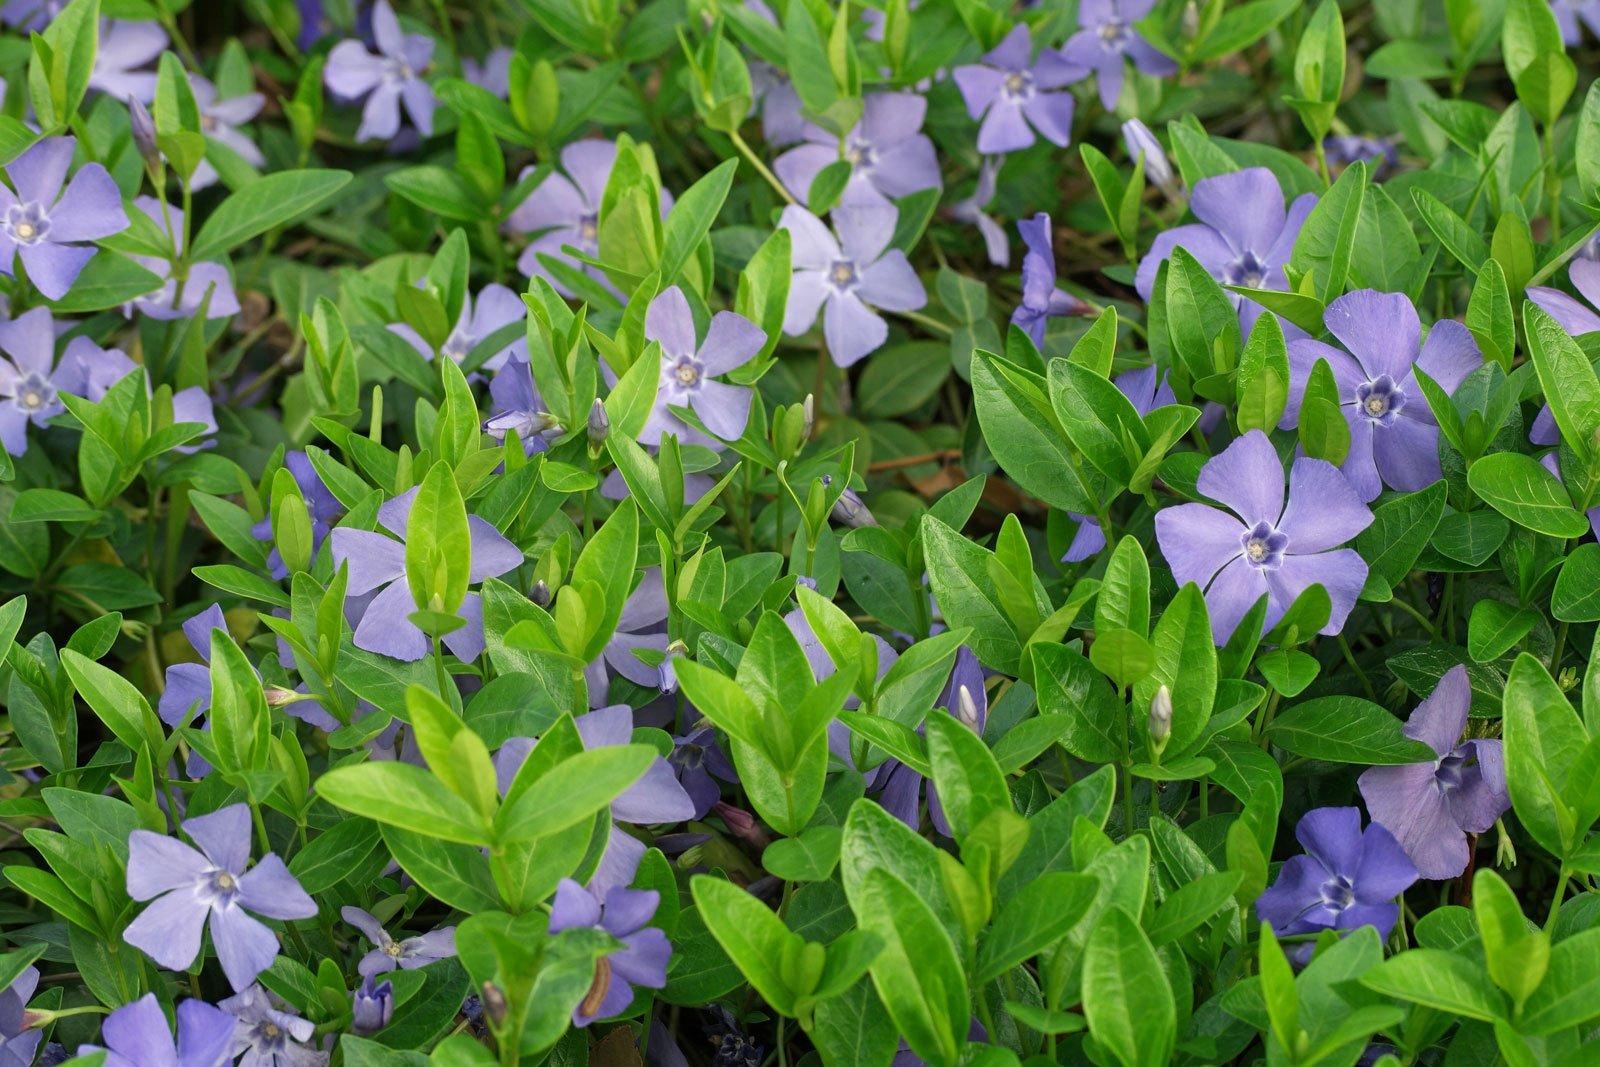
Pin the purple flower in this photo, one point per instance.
(31, 380)
(1573, 316)
(322, 508)
(1394, 438)
(642, 624)
(101, 368)
(314, 23)
(175, 300)
(1244, 236)
(189, 886)
(387, 953)
(1015, 94)
(124, 48)
(1378, 153)
(642, 960)
(1142, 144)
(1431, 807)
(1041, 300)
(387, 78)
(30, 14)
(136, 1035)
(698, 761)
(515, 404)
(971, 210)
(782, 121)
(493, 74)
(1347, 879)
(268, 1034)
(220, 120)
(888, 154)
(846, 278)
(188, 685)
(371, 1007)
(688, 369)
(17, 1042)
(654, 799)
(1266, 546)
(1568, 12)
(45, 226)
(1545, 432)
(1147, 389)
(496, 306)
(382, 594)
(1107, 37)
(964, 697)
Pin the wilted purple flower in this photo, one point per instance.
(1348, 877)
(654, 799)
(515, 405)
(190, 885)
(174, 300)
(382, 595)
(1107, 37)
(645, 952)
(1041, 300)
(496, 307)
(18, 1043)
(642, 624)
(1141, 143)
(45, 225)
(1266, 546)
(1573, 316)
(268, 1034)
(1394, 438)
(1147, 389)
(971, 210)
(688, 370)
(847, 277)
(124, 48)
(387, 78)
(493, 74)
(371, 1007)
(1431, 807)
(30, 14)
(1244, 236)
(698, 760)
(1014, 94)
(136, 1035)
(31, 380)
(220, 120)
(1568, 12)
(407, 954)
(1378, 153)
(888, 154)
(322, 508)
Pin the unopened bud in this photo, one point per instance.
(850, 511)
(278, 696)
(495, 1007)
(809, 407)
(1191, 19)
(540, 593)
(669, 673)
(1138, 139)
(1505, 854)
(144, 131)
(528, 424)
(966, 707)
(599, 425)
(741, 824)
(1160, 719)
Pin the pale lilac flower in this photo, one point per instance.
(1573, 315)
(46, 226)
(1244, 236)
(220, 120)
(493, 74)
(189, 886)
(1016, 95)
(888, 154)
(386, 78)
(847, 277)
(615, 487)
(125, 48)
(1107, 38)
(655, 799)
(371, 1006)
(1394, 438)
(782, 120)
(689, 369)
(268, 1034)
(381, 595)
(1568, 12)
(18, 1042)
(1142, 144)
(407, 954)
(1147, 389)
(172, 300)
(322, 508)
(30, 15)
(1378, 153)
(1431, 807)
(698, 761)
(187, 687)
(1266, 546)
(642, 961)
(1041, 300)
(31, 379)
(136, 1035)
(102, 368)
(823, 668)
(1348, 877)
(495, 307)
(971, 210)
(515, 404)
(642, 624)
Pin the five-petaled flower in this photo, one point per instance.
(1106, 39)
(31, 379)
(642, 960)
(45, 225)
(1348, 877)
(888, 154)
(407, 953)
(689, 369)
(136, 1035)
(1015, 94)
(391, 76)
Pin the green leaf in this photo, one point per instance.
(1126, 996)
(1576, 597)
(1326, 240)
(811, 857)
(267, 203)
(1494, 627)
(753, 937)
(1038, 916)
(1401, 528)
(1521, 489)
(918, 975)
(1568, 379)
(110, 280)
(970, 783)
(1543, 737)
(1344, 729)
(402, 795)
(438, 543)
(1263, 382)
(1438, 979)
(692, 217)
(572, 791)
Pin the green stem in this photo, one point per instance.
(761, 168)
(1349, 657)
(1423, 620)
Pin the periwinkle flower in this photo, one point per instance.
(1142, 144)
(1394, 438)
(689, 369)
(1378, 153)
(31, 379)
(381, 592)
(496, 307)
(322, 508)
(371, 1006)
(1348, 877)
(493, 74)
(735, 1047)
(515, 404)
(782, 119)
(220, 119)
(45, 225)
(1544, 431)
(387, 78)
(642, 624)
(136, 1035)
(656, 798)
(1244, 236)
(187, 691)
(268, 1034)
(1041, 300)
(1015, 94)
(698, 761)
(407, 953)
(101, 368)
(18, 1042)
(190, 887)
(1106, 39)
(1147, 389)
(1431, 807)
(645, 952)
(847, 276)
(181, 299)
(1266, 546)
(1573, 315)
(30, 15)
(125, 48)
(1569, 12)
(888, 154)
(971, 210)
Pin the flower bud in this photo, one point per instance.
(966, 707)
(540, 593)
(372, 1006)
(809, 407)
(278, 696)
(144, 132)
(668, 672)
(1140, 141)
(599, 425)
(495, 1006)
(1160, 724)
(850, 511)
